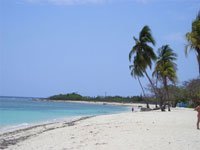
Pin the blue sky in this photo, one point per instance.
(59, 46)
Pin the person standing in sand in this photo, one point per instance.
(198, 115)
(132, 109)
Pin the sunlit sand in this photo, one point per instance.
(175, 130)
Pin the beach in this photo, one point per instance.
(175, 130)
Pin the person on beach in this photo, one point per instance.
(198, 115)
(132, 109)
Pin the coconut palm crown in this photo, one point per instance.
(193, 39)
(143, 55)
(143, 52)
(165, 69)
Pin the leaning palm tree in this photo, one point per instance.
(165, 70)
(193, 39)
(137, 72)
(143, 54)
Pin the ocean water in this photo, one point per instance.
(16, 112)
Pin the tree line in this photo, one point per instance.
(163, 80)
(162, 89)
(77, 97)
(188, 92)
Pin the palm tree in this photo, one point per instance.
(143, 54)
(165, 69)
(137, 72)
(193, 39)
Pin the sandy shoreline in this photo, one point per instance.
(13, 137)
(102, 103)
(13, 128)
(155, 130)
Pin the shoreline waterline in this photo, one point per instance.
(22, 112)
(113, 131)
(10, 132)
(15, 135)
(18, 135)
(137, 104)
(13, 128)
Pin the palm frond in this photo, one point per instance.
(146, 36)
(165, 66)
(142, 52)
(133, 51)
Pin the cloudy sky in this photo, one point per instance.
(59, 46)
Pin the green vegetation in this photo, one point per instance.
(192, 90)
(193, 39)
(163, 81)
(188, 92)
(162, 88)
(78, 97)
(70, 96)
(143, 55)
(165, 71)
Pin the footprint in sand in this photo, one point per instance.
(100, 143)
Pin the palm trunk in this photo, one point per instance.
(141, 86)
(156, 87)
(155, 91)
(169, 103)
(152, 85)
(143, 92)
(150, 82)
(167, 93)
(198, 59)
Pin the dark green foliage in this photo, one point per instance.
(78, 97)
(142, 51)
(143, 55)
(188, 92)
(165, 72)
(192, 90)
(193, 38)
(117, 99)
(70, 96)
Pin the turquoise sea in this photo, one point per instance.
(16, 112)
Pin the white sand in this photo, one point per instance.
(106, 103)
(155, 130)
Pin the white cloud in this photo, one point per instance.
(166, 1)
(80, 2)
(142, 1)
(67, 2)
